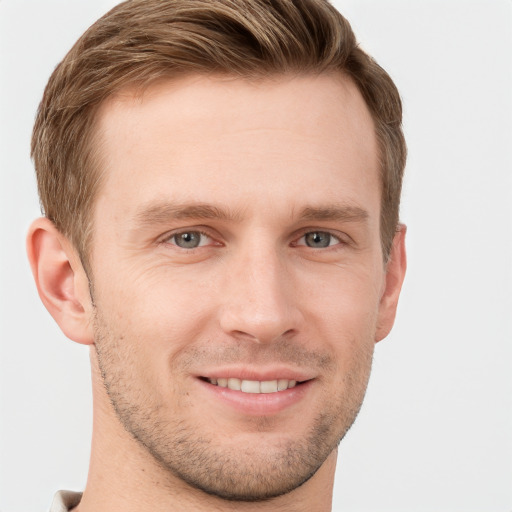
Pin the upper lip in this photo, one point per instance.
(258, 374)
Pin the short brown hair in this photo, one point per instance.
(140, 41)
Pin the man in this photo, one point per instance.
(221, 183)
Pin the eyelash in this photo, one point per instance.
(172, 236)
(316, 232)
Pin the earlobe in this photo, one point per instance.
(61, 281)
(395, 273)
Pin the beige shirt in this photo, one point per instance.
(64, 501)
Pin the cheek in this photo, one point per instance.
(152, 296)
(343, 320)
(157, 316)
(345, 299)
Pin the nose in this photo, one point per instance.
(259, 299)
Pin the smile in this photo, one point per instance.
(254, 386)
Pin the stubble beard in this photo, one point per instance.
(257, 471)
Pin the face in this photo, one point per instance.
(237, 274)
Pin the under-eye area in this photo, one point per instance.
(253, 386)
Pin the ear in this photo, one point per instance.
(395, 273)
(61, 280)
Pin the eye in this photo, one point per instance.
(189, 239)
(318, 239)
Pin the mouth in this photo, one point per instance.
(253, 386)
(258, 393)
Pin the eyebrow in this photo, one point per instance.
(339, 213)
(161, 213)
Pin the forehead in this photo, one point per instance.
(197, 138)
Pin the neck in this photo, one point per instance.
(123, 476)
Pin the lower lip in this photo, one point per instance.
(258, 404)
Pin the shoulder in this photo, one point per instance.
(64, 501)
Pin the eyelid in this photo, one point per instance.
(168, 237)
(342, 238)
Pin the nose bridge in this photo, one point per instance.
(259, 300)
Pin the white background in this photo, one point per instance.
(435, 432)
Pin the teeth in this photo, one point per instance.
(250, 386)
(234, 384)
(282, 384)
(254, 386)
(268, 386)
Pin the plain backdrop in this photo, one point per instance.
(435, 431)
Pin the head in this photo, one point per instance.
(224, 180)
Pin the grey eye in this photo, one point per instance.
(318, 239)
(188, 239)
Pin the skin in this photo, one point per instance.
(252, 170)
